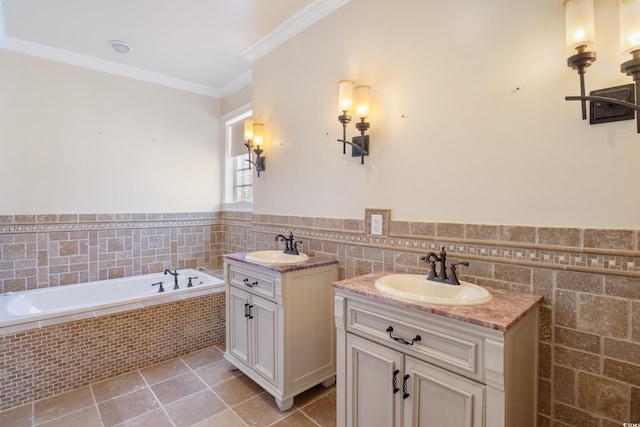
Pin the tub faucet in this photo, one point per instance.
(441, 276)
(175, 278)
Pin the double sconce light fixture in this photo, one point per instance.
(359, 144)
(615, 103)
(254, 135)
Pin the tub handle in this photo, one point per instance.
(190, 285)
(159, 283)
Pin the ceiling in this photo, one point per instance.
(202, 46)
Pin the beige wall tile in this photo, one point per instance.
(603, 396)
(560, 236)
(577, 340)
(580, 282)
(602, 315)
(564, 384)
(609, 239)
(622, 371)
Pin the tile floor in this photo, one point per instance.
(196, 390)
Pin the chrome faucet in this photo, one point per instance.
(175, 278)
(291, 246)
(441, 276)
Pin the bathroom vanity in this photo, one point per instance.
(404, 363)
(280, 329)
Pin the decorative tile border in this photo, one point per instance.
(608, 261)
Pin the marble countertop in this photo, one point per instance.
(313, 261)
(501, 313)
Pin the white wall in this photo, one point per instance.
(487, 137)
(74, 140)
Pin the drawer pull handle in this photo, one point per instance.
(251, 285)
(395, 381)
(247, 311)
(402, 340)
(404, 387)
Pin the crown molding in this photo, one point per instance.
(317, 10)
(42, 51)
(238, 83)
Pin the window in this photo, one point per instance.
(242, 179)
(238, 182)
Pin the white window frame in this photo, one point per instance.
(230, 119)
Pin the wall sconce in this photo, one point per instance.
(614, 103)
(359, 144)
(254, 135)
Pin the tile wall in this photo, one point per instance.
(590, 280)
(49, 250)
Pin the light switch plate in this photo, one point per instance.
(376, 224)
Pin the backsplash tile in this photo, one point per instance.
(590, 279)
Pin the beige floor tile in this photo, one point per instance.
(202, 358)
(63, 404)
(237, 390)
(127, 406)
(22, 416)
(176, 388)
(195, 408)
(323, 410)
(155, 418)
(259, 411)
(310, 395)
(118, 386)
(226, 418)
(86, 418)
(165, 370)
(217, 373)
(297, 419)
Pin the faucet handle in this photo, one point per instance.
(161, 289)
(453, 278)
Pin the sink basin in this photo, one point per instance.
(416, 287)
(275, 257)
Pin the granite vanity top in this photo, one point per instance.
(501, 313)
(313, 261)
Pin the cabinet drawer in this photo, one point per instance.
(253, 282)
(442, 345)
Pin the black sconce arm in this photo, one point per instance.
(604, 99)
(354, 145)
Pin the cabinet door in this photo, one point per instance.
(266, 339)
(238, 324)
(372, 399)
(439, 398)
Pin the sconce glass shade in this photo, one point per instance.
(579, 23)
(248, 129)
(258, 134)
(629, 15)
(362, 101)
(345, 96)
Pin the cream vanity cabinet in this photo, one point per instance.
(280, 329)
(401, 366)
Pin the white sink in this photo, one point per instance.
(416, 287)
(275, 257)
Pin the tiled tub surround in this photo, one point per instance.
(49, 360)
(589, 367)
(49, 250)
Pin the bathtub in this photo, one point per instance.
(63, 338)
(92, 299)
